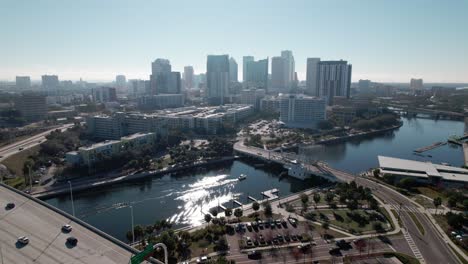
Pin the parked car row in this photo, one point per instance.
(261, 225)
(261, 241)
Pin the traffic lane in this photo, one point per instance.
(430, 245)
(47, 241)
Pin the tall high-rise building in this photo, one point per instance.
(256, 74)
(188, 77)
(50, 83)
(121, 82)
(160, 75)
(416, 85)
(32, 106)
(312, 76)
(245, 60)
(334, 79)
(289, 67)
(278, 76)
(233, 68)
(174, 83)
(217, 78)
(23, 82)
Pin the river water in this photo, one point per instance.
(183, 199)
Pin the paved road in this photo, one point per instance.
(30, 142)
(47, 241)
(430, 247)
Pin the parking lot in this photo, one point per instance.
(282, 242)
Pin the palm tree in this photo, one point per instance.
(208, 218)
(437, 202)
(316, 199)
(238, 213)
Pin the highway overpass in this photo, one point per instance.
(42, 223)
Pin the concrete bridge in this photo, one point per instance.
(287, 160)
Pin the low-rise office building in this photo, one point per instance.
(32, 106)
(423, 172)
(91, 154)
(161, 101)
(203, 120)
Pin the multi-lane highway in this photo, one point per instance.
(30, 142)
(47, 241)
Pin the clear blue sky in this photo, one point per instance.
(391, 40)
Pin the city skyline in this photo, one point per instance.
(386, 41)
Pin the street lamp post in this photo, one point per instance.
(30, 179)
(124, 205)
(71, 197)
(133, 229)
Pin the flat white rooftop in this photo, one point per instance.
(422, 169)
(47, 242)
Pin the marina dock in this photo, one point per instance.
(271, 194)
(465, 152)
(427, 148)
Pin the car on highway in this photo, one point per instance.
(67, 228)
(254, 255)
(10, 206)
(23, 240)
(20, 149)
(72, 241)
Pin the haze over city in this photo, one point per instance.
(387, 41)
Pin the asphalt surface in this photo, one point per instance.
(429, 247)
(13, 148)
(47, 241)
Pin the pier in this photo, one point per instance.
(252, 198)
(465, 153)
(237, 202)
(271, 194)
(427, 148)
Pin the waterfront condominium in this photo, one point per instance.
(301, 111)
(334, 79)
(217, 79)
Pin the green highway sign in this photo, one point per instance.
(143, 255)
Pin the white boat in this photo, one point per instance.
(242, 177)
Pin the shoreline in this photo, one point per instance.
(95, 183)
(357, 136)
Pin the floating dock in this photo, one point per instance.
(427, 148)
(271, 194)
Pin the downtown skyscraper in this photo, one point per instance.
(312, 76)
(334, 79)
(162, 79)
(188, 77)
(256, 74)
(233, 70)
(245, 60)
(283, 72)
(217, 79)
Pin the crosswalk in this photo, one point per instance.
(414, 248)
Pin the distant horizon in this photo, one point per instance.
(385, 41)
